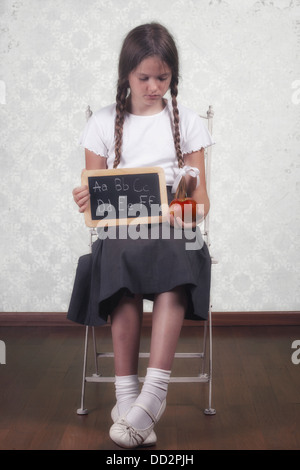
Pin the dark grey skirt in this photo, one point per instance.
(157, 260)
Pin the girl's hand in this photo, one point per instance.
(175, 217)
(81, 196)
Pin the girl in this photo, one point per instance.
(144, 129)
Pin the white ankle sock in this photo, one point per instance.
(127, 390)
(153, 393)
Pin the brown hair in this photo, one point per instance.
(145, 41)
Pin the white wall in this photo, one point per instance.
(240, 56)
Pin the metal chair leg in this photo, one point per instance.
(204, 349)
(96, 374)
(210, 410)
(82, 410)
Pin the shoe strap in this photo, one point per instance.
(154, 419)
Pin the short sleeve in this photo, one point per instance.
(92, 137)
(195, 134)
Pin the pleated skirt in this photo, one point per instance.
(146, 260)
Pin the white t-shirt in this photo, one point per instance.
(147, 140)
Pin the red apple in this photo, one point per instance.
(188, 207)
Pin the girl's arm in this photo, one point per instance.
(199, 193)
(94, 162)
(81, 194)
(196, 159)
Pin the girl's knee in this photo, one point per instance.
(174, 298)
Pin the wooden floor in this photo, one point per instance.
(256, 392)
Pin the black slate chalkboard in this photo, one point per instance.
(124, 196)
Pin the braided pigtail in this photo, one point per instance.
(119, 122)
(181, 190)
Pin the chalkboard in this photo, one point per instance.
(125, 195)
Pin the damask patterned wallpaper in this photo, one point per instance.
(58, 56)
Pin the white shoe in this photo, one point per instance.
(148, 442)
(125, 435)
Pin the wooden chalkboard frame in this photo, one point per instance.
(123, 172)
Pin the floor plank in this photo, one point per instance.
(256, 392)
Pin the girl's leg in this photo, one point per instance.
(168, 315)
(126, 328)
(126, 322)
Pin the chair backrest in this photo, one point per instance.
(88, 113)
(208, 157)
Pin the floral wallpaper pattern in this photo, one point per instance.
(59, 56)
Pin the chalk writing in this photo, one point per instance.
(124, 194)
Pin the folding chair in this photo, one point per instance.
(204, 376)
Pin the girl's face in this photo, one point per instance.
(148, 83)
